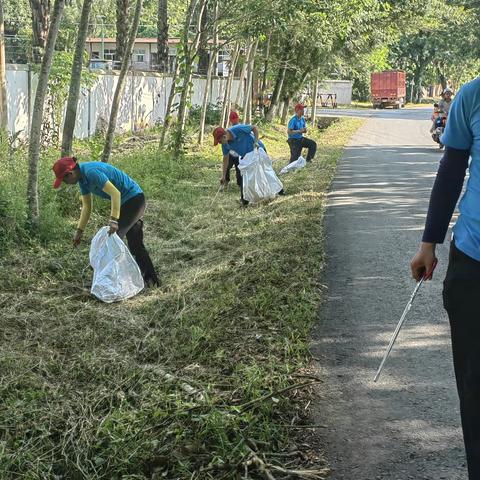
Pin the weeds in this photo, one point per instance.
(195, 380)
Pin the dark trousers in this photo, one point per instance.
(130, 224)
(233, 162)
(297, 144)
(460, 299)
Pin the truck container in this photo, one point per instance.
(388, 89)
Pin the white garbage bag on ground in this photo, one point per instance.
(116, 275)
(260, 181)
(296, 165)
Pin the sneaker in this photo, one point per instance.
(243, 202)
(281, 192)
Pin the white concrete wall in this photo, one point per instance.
(143, 103)
(343, 89)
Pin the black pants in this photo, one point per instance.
(131, 225)
(233, 162)
(460, 299)
(297, 144)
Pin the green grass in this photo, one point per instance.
(168, 384)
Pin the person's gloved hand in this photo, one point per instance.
(77, 237)
(113, 227)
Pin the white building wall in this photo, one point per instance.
(143, 103)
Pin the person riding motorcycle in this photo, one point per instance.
(440, 114)
(446, 101)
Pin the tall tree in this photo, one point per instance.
(75, 79)
(121, 11)
(228, 89)
(3, 81)
(40, 24)
(211, 65)
(37, 115)
(107, 150)
(188, 51)
(203, 51)
(162, 36)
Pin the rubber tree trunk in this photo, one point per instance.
(211, 66)
(162, 36)
(121, 15)
(247, 101)
(276, 93)
(168, 111)
(40, 23)
(190, 52)
(263, 88)
(203, 54)
(3, 81)
(206, 93)
(228, 88)
(238, 97)
(75, 80)
(314, 99)
(285, 104)
(37, 116)
(107, 149)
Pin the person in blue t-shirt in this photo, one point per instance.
(297, 126)
(236, 142)
(127, 204)
(462, 282)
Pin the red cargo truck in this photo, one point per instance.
(388, 89)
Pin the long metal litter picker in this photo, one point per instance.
(426, 276)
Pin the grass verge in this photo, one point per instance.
(195, 380)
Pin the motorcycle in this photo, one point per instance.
(438, 129)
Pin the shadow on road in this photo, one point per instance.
(407, 425)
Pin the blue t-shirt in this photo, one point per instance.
(243, 140)
(96, 174)
(463, 133)
(296, 123)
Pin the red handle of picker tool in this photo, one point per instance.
(428, 275)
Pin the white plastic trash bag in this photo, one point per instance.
(116, 275)
(260, 181)
(296, 165)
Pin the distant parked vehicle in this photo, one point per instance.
(388, 89)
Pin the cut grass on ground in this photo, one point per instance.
(181, 382)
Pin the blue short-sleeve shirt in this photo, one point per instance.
(296, 123)
(463, 133)
(243, 140)
(94, 176)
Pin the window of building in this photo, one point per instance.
(110, 53)
(139, 55)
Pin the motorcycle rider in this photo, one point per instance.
(441, 109)
(445, 102)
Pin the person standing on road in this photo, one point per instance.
(462, 282)
(127, 205)
(297, 126)
(236, 142)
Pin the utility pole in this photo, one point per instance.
(3, 73)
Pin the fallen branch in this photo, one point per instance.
(297, 386)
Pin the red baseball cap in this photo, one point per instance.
(218, 133)
(299, 106)
(233, 117)
(61, 167)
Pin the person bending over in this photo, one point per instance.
(127, 205)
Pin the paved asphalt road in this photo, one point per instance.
(406, 426)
